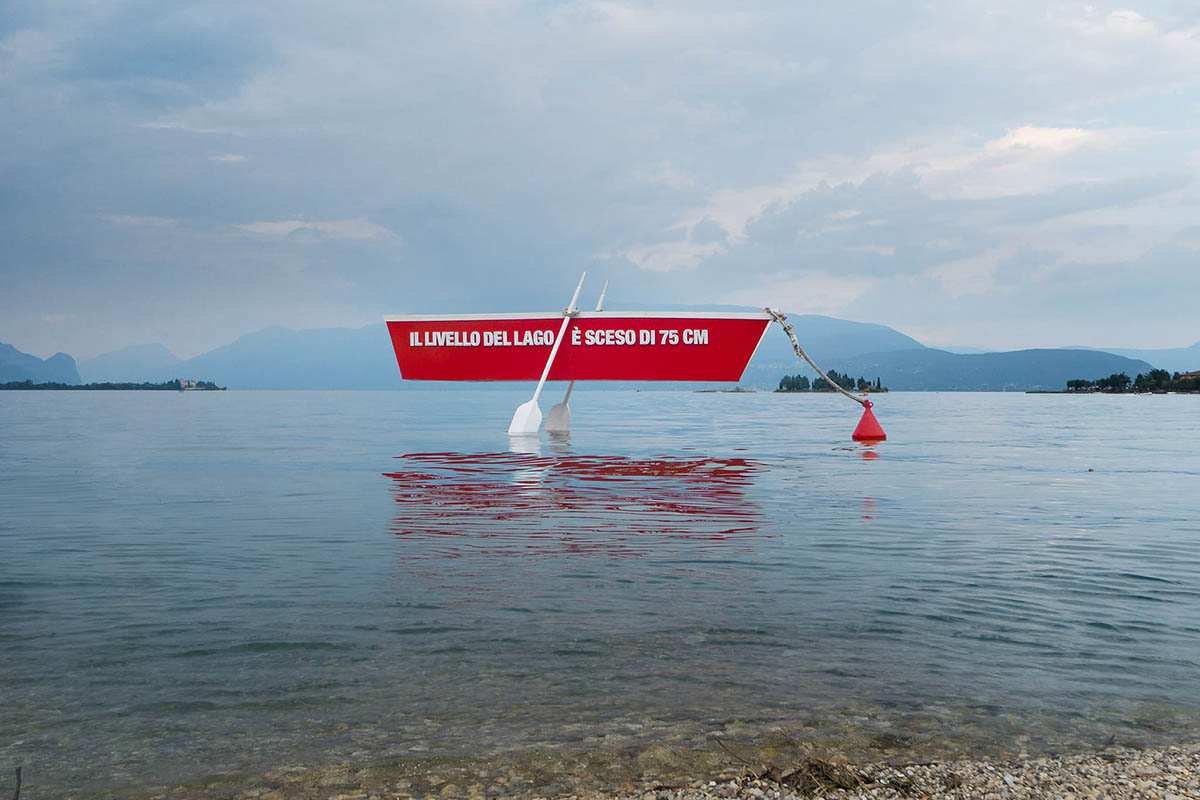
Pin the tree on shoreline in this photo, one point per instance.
(794, 383)
(166, 386)
(1156, 380)
(801, 383)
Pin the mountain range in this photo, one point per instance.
(139, 362)
(272, 358)
(18, 366)
(362, 358)
(1172, 359)
(1016, 370)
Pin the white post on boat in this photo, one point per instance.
(559, 417)
(528, 417)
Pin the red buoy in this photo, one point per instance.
(869, 429)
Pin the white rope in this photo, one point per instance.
(787, 328)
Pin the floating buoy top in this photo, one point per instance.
(869, 429)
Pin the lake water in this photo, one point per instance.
(211, 584)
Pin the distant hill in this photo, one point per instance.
(1172, 359)
(828, 340)
(18, 366)
(1018, 370)
(272, 358)
(322, 358)
(139, 362)
(822, 337)
(965, 350)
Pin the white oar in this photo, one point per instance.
(559, 417)
(528, 416)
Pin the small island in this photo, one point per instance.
(177, 385)
(801, 383)
(1156, 381)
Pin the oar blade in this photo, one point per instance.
(526, 419)
(559, 418)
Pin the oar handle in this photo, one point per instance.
(571, 310)
(568, 312)
(599, 307)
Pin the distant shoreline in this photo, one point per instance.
(1105, 394)
(167, 386)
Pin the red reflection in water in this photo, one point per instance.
(868, 506)
(518, 504)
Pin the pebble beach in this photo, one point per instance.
(1170, 773)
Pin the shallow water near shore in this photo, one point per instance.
(207, 584)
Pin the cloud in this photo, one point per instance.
(1054, 140)
(672, 256)
(807, 292)
(130, 221)
(55, 318)
(930, 165)
(663, 173)
(183, 127)
(360, 228)
(972, 275)
(877, 249)
(1080, 197)
(650, 23)
(1025, 159)
(1121, 25)
(1125, 28)
(31, 49)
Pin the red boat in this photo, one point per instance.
(594, 346)
(573, 345)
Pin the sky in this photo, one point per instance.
(991, 174)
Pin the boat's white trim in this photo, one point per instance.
(582, 315)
